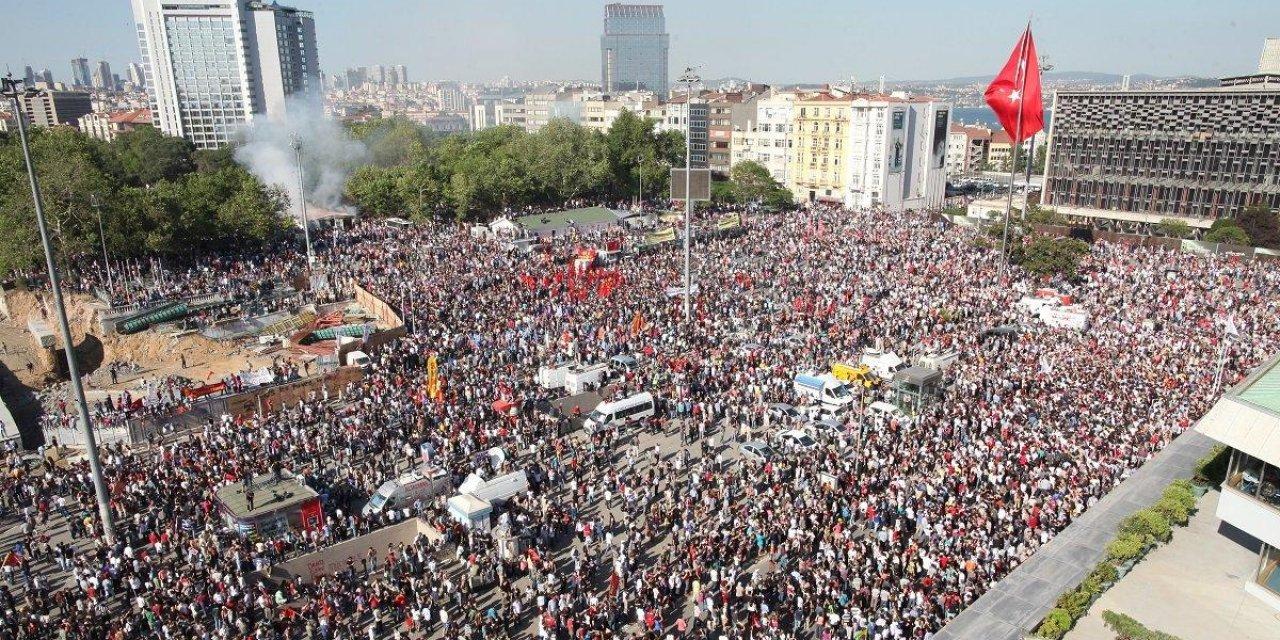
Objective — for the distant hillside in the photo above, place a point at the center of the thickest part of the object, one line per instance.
(1093, 77)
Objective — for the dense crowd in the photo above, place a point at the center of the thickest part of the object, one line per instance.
(888, 530)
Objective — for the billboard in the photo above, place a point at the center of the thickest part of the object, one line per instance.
(941, 120)
(898, 141)
(699, 184)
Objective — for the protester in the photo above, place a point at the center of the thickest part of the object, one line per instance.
(888, 530)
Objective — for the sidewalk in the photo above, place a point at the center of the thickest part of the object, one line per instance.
(1014, 607)
(1192, 587)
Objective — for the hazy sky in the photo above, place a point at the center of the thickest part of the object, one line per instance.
(768, 40)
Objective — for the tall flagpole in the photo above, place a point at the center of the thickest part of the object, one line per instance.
(1017, 142)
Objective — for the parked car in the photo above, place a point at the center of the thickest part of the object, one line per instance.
(756, 450)
(797, 439)
(887, 411)
(783, 413)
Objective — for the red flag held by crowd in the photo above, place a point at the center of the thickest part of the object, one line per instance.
(1014, 95)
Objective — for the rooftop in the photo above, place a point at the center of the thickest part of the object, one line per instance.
(590, 216)
(269, 495)
(1247, 417)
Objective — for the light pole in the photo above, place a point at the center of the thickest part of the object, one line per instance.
(688, 78)
(302, 201)
(97, 206)
(10, 90)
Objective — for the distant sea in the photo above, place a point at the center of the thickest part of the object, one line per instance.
(983, 116)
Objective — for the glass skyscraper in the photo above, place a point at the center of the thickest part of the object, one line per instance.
(633, 49)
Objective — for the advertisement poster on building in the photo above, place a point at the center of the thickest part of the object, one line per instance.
(897, 141)
(941, 121)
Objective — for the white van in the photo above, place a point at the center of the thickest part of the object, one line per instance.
(422, 483)
(497, 490)
(585, 378)
(553, 377)
(822, 388)
(618, 413)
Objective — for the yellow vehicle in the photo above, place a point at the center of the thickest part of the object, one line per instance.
(854, 374)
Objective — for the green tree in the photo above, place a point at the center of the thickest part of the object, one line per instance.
(392, 141)
(1229, 234)
(1046, 255)
(148, 156)
(1261, 224)
(376, 190)
(752, 182)
(1173, 228)
(565, 160)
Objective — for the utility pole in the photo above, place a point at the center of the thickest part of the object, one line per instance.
(10, 90)
(302, 201)
(688, 78)
(97, 206)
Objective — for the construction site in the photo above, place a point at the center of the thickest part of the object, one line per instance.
(154, 366)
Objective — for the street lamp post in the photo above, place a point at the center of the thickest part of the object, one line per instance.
(302, 201)
(10, 90)
(97, 206)
(688, 78)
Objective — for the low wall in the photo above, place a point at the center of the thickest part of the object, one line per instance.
(334, 559)
(270, 399)
(387, 316)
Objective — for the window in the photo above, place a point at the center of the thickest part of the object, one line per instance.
(1255, 478)
(1268, 573)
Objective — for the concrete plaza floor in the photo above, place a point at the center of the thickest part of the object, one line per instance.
(1192, 587)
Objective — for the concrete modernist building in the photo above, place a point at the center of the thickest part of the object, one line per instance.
(1247, 419)
(1143, 156)
(48, 108)
(213, 65)
(600, 112)
(768, 138)
(633, 48)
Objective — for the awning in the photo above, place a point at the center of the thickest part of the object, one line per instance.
(1241, 425)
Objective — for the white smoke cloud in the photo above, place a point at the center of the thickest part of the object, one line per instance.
(329, 154)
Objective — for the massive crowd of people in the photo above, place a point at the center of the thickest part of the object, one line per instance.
(661, 529)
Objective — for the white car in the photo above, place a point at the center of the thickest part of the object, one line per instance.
(887, 411)
(797, 439)
(756, 450)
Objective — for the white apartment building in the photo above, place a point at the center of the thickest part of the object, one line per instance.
(896, 152)
(212, 65)
(768, 138)
(600, 111)
(1247, 419)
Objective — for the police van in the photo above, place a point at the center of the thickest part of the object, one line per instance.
(626, 410)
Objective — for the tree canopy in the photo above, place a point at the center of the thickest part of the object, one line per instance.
(483, 172)
(155, 194)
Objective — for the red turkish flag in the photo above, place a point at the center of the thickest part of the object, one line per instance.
(1014, 97)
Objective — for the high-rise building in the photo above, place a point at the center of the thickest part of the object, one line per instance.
(80, 73)
(402, 74)
(633, 49)
(134, 75)
(48, 108)
(45, 76)
(356, 76)
(28, 76)
(213, 65)
(377, 74)
(102, 76)
(1270, 60)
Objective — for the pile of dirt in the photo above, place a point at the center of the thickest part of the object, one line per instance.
(150, 349)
